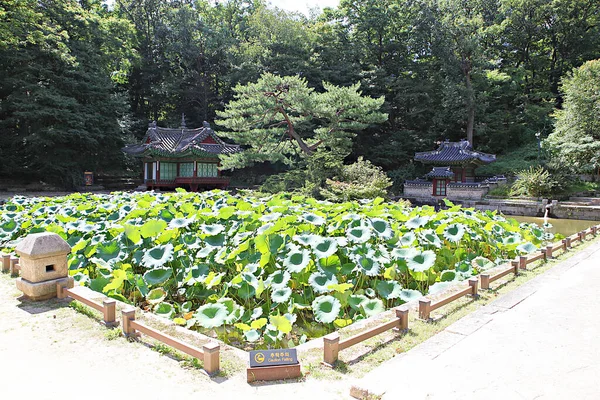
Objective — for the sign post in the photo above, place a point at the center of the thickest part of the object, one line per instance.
(273, 364)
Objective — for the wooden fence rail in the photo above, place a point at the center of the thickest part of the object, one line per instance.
(426, 307)
(209, 354)
(107, 308)
(486, 279)
(332, 344)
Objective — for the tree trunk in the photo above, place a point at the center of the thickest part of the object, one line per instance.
(470, 106)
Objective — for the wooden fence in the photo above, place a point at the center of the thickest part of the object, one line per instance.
(107, 307)
(209, 354)
(332, 344)
(10, 263)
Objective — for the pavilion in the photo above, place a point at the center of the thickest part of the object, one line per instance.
(182, 157)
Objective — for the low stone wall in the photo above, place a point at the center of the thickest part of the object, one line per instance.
(462, 192)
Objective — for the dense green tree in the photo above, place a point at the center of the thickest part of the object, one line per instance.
(575, 143)
(59, 107)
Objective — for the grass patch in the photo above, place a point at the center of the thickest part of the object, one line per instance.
(112, 334)
(85, 310)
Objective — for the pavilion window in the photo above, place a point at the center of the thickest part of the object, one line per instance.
(186, 170)
(168, 171)
(206, 170)
(439, 187)
(149, 171)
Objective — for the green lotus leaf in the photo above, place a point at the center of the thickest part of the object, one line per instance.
(430, 238)
(404, 254)
(526, 248)
(281, 323)
(372, 307)
(215, 240)
(180, 222)
(408, 239)
(186, 306)
(157, 256)
(326, 309)
(453, 233)
(281, 295)
(407, 295)
(382, 227)
(388, 289)
(246, 290)
(157, 276)
(165, 310)
(279, 279)
(109, 251)
(152, 228)
(256, 313)
(212, 230)
(264, 228)
(296, 261)
(355, 301)
(252, 335)
(211, 315)
(370, 292)
(514, 238)
(306, 239)
(313, 219)
(482, 263)
(368, 266)
(191, 240)
(270, 217)
(422, 261)
(9, 226)
(359, 234)
(320, 281)
(235, 314)
(447, 275)
(416, 222)
(324, 247)
(156, 295)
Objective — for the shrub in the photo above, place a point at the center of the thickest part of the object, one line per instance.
(361, 180)
(534, 182)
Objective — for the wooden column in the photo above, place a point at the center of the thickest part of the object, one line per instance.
(474, 283)
(515, 265)
(331, 348)
(485, 281)
(109, 311)
(402, 315)
(5, 262)
(549, 250)
(127, 316)
(157, 170)
(424, 308)
(211, 357)
(523, 262)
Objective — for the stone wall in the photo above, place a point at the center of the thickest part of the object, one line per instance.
(462, 192)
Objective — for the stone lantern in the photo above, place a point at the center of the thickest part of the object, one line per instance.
(43, 262)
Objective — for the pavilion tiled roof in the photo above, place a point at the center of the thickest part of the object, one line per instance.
(440, 172)
(180, 142)
(453, 153)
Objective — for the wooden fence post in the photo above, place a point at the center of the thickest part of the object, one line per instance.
(60, 290)
(109, 311)
(13, 262)
(581, 236)
(544, 252)
(594, 228)
(331, 348)
(474, 283)
(485, 281)
(211, 357)
(5, 262)
(515, 265)
(523, 262)
(424, 308)
(402, 315)
(549, 250)
(568, 242)
(127, 316)
(15, 268)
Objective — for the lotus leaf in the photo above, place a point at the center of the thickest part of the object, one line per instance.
(320, 281)
(296, 261)
(157, 276)
(359, 234)
(422, 261)
(454, 232)
(211, 315)
(372, 307)
(157, 256)
(388, 289)
(326, 309)
(407, 295)
(324, 247)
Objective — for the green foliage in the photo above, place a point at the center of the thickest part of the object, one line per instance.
(575, 143)
(512, 162)
(360, 180)
(534, 182)
(258, 269)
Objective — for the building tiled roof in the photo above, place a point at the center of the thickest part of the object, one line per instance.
(180, 142)
(440, 172)
(453, 153)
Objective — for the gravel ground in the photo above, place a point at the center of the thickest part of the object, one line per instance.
(48, 350)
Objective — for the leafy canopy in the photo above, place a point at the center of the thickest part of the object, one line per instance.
(281, 118)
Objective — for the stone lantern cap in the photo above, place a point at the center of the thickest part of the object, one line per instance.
(42, 245)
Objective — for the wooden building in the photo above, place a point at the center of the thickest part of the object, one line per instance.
(182, 157)
(453, 173)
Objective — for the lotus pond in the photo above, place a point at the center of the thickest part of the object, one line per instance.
(270, 271)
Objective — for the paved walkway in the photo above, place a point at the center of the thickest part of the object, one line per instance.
(541, 341)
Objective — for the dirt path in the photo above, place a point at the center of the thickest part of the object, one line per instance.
(48, 350)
